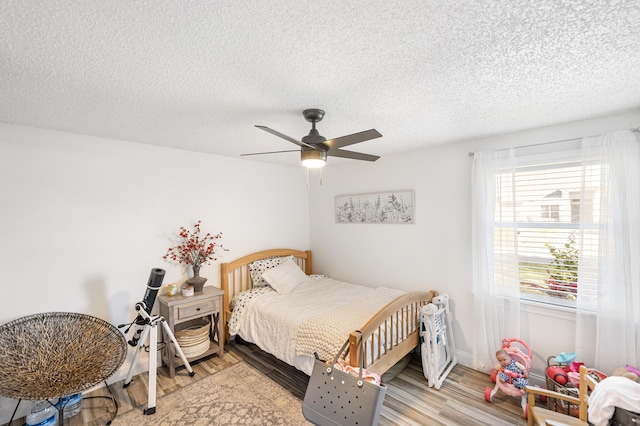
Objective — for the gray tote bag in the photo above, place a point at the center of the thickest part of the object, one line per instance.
(336, 398)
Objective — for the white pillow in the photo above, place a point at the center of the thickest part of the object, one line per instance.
(285, 277)
(256, 268)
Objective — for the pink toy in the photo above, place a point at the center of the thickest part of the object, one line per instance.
(521, 353)
(632, 370)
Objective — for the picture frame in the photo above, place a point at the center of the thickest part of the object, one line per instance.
(389, 207)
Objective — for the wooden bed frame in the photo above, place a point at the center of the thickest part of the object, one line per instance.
(401, 317)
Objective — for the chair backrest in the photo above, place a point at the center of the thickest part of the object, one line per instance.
(587, 384)
(540, 416)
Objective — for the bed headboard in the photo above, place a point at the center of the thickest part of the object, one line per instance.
(235, 277)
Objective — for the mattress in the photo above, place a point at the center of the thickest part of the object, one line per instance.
(272, 320)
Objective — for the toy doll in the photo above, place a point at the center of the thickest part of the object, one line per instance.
(510, 371)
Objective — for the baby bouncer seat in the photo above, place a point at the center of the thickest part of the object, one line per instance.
(520, 351)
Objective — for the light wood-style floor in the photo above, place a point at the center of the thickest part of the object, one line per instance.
(408, 400)
(97, 407)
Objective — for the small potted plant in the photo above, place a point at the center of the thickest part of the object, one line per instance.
(196, 250)
(563, 269)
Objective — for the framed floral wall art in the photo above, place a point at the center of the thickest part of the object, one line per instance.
(376, 207)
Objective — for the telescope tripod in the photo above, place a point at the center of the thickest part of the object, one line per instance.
(151, 328)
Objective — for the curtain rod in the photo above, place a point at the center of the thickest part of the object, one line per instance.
(636, 130)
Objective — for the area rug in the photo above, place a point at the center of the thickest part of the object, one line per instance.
(237, 395)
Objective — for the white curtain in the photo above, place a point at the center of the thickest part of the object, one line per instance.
(608, 291)
(496, 297)
(608, 326)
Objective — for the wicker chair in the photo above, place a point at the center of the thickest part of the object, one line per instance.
(51, 355)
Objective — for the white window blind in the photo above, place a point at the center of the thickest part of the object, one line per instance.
(547, 213)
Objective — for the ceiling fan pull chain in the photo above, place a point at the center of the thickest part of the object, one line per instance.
(320, 177)
(307, 178)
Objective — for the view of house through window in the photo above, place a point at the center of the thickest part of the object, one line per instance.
(549, 214)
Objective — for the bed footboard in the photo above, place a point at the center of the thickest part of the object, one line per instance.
(391, 334)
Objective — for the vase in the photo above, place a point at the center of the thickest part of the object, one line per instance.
(196, 281)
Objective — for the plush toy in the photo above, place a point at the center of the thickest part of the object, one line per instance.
(625, 372)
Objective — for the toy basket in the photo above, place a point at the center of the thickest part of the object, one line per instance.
(571, 387)
(559, 405)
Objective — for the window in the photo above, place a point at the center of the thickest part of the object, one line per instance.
(590, 253)
(551, 212)
(539, 207)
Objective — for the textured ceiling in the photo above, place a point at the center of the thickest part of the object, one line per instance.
(198, 75)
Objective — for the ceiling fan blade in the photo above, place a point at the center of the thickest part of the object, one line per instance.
(351, 139)
(353, 155)
(283, 136)
(271, 152)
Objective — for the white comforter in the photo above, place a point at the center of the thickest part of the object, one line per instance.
(272, 320)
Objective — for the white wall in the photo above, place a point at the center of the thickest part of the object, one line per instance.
(435, 252)
(83, 220)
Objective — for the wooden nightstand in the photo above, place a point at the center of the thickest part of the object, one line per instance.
(178, 309)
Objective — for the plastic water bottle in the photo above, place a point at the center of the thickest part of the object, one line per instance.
(72, 405)
(42, 413)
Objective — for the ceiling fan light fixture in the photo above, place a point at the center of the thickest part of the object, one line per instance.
(313, 159)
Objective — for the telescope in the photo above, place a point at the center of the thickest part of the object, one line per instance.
(146, 325)
(153, 285)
